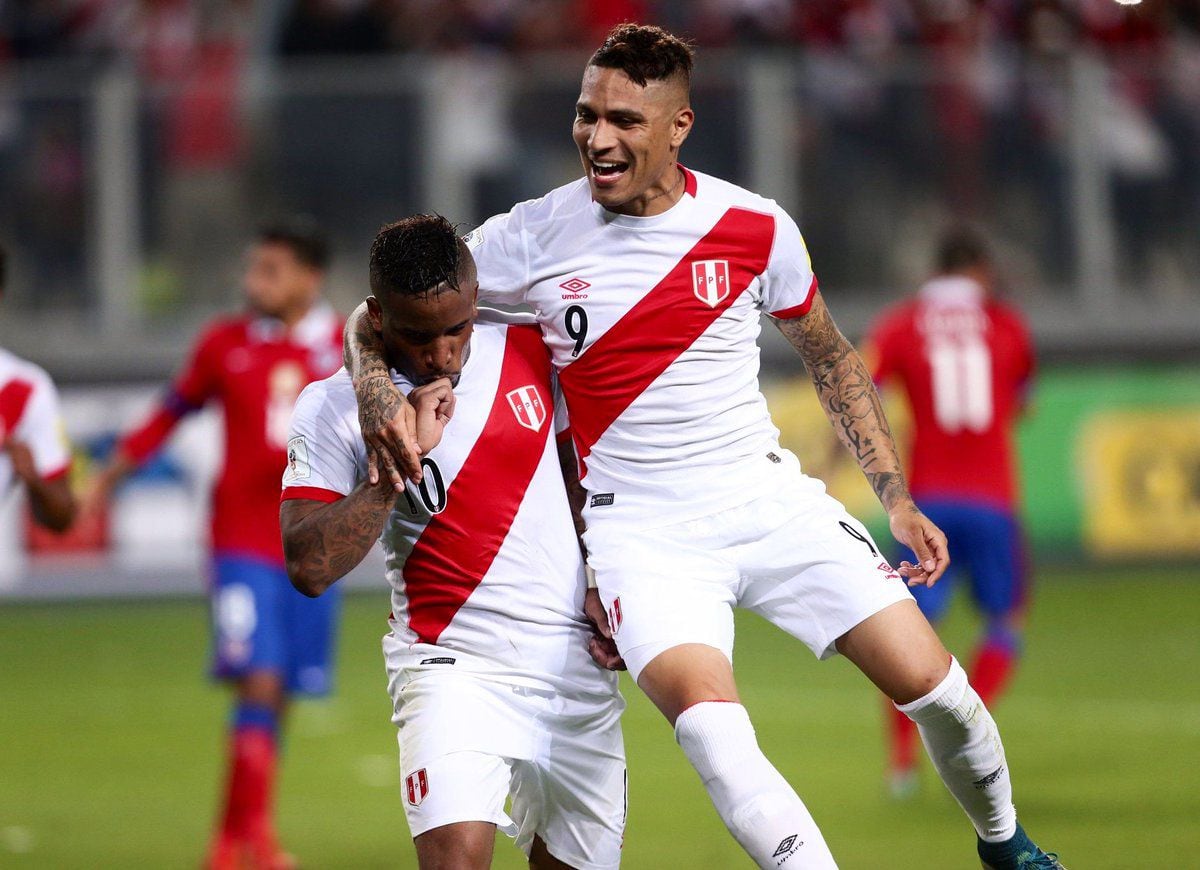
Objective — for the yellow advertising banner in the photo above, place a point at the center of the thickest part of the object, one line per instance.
(1141, 475)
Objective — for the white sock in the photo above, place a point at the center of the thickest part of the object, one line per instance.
(964, 745)
(763, 812)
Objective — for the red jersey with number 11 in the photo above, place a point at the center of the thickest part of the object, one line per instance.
(965, 362)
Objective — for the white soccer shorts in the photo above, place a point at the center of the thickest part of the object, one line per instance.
(468, 742)
(793, 555)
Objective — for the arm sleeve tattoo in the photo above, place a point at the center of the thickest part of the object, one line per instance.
(323, 542)
(849, 399)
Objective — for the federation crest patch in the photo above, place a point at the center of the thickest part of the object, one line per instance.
(416, 787)
(710, 281)
(297, 460)
(527, 406)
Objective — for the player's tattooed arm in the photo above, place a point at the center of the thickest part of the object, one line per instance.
(387, 420)
(323, 542)
(848, 396)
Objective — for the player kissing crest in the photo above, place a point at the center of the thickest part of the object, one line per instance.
(527, 406)
(710, 281)
(417, 787)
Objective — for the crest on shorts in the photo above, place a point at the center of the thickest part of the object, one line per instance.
(527, 406)
(416, 785)
(615, 617)
(710, 281)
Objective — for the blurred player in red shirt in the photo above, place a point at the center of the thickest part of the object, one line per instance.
(268, 639)
(965, 362)
(33, 448)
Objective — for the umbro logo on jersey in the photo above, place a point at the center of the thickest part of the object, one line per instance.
(574, 288)
(888, 572)
(710, 281)
(527, 406)
(439, 660)
(416, 787)
(603, 499)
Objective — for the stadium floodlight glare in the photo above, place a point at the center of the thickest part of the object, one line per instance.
(1129, 2)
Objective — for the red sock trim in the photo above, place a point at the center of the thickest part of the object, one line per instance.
(706, 701)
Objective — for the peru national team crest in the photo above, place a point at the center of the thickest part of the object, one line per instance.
(416, 785)
(527, 406)
(710, 281)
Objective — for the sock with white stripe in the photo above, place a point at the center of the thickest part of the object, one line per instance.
(964, 745)
(763, 812)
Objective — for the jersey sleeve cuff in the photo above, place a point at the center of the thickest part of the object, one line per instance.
(310, 493)
(801, 309)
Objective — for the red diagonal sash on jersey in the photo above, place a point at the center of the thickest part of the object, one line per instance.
(459, 545)
(14, 396)
(615, 370)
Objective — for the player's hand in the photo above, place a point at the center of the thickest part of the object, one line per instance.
(434, 405)
(917, 532)
(389, 429)
(601, 646)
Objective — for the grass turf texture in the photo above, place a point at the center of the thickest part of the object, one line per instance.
(111, 746)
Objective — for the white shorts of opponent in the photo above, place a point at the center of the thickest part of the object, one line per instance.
(792, 555)
(469, 742)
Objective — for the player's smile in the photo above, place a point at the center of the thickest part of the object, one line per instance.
(607, 173)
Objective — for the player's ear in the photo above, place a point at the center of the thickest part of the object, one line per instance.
(681, 125)
(375, 313)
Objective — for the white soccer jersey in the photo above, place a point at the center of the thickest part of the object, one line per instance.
(29, 413)
(482, 556)
(653, 325)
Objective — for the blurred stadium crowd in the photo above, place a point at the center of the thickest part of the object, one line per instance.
(160, 34)
(1068, 129)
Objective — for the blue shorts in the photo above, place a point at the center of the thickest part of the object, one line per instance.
(261, 623)
(987, 545)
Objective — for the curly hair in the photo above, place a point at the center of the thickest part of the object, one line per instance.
(415, 256)
(645, 53)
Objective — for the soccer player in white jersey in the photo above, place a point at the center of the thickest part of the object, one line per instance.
(33, 447)
(648, 281)
(488, 655)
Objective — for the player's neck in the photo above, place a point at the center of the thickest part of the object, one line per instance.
(660, 197)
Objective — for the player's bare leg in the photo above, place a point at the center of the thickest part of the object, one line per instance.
(693, 686)
(686, 675)
(541, 859)
(992, 664)
(902, 655)
(247, 833)
(460, 846)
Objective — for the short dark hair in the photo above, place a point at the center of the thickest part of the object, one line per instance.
(300, 234)
(961, 248)
(415, 255)
(645, 53)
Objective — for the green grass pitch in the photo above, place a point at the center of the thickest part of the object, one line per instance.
(111, 742)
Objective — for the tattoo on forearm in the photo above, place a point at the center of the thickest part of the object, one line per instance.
(327, 543)
(362, 347)
(849, 398)
(378, 402)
